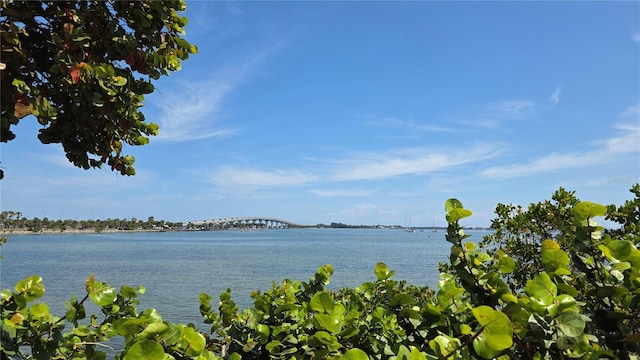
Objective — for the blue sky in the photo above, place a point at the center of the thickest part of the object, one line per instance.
(368, 113)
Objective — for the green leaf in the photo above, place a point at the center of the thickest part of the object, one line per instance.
(81, 38)
(102, 294)
(327, 322)
(568, 289)
(497, 329)
(129, 326)
(141, 140)
(410, 353)
(21, 86)
(119, 81)
(322, 338)
(570, 323)
(566, 303)
(382, 271)
(554, 259)
(109, 70)
(31, 288)
(481, 347)
(75, 310)
(152, 330)
(506, 265)
(443, 345)
(322, 302)
(541, 289)
(129, 160)
(193, 341)
(621, 249)
(172, 336)
(449, 294)
(451, 204)
(6, 294)
(174, 63)
(549, 244)
(621, 266)
(40, 310)
(456, 214)
(264, 331)
(402, 299)
(354, 354)
(587, 210)
(146, 350)
(153, 128)
(272, 345)
(101, 71)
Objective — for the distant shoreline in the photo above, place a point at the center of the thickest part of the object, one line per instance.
(3, 232)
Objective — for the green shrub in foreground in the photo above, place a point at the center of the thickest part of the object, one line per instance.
(549, 283)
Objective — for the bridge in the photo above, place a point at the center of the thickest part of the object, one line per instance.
(244, 223)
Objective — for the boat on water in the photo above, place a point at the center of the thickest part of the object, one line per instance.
(409, 228)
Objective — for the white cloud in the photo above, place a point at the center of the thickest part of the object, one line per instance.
(407, 162)
(511, 108)
(188, 113)
(629, 142)
(360, 212)
(57, 158)
(410, 125)
(342, 192)
(370, 166)
(479, 123)
(190, 110)
(607, 151)
(554, 98)
(635, 36)
(228, 177)
(631, 112)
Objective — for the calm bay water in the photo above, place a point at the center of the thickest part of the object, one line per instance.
(175, 267)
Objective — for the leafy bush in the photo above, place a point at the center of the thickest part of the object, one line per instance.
(549, 283)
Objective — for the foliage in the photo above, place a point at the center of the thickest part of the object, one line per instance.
(580, 298)
(581, 257)
(82, 68)
(12, 221)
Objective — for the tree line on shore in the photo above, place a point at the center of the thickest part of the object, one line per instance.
(15, 221)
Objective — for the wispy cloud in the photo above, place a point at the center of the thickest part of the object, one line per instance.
(606, 151)
(249, 179)
(360, 166)
(55, 158)
(414, 126)
(479, 123)
(191, 110)
(362, 211)
(632, 112)
(342, 192)
(554, 98)
(511, 108)
(407, 162)
(635, 36)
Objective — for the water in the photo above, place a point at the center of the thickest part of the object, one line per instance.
(175, 267)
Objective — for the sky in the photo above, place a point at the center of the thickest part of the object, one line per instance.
(367, 113)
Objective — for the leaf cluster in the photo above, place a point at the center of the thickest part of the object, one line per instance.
(82, 68)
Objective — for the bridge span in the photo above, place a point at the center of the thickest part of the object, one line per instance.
(244, 222)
